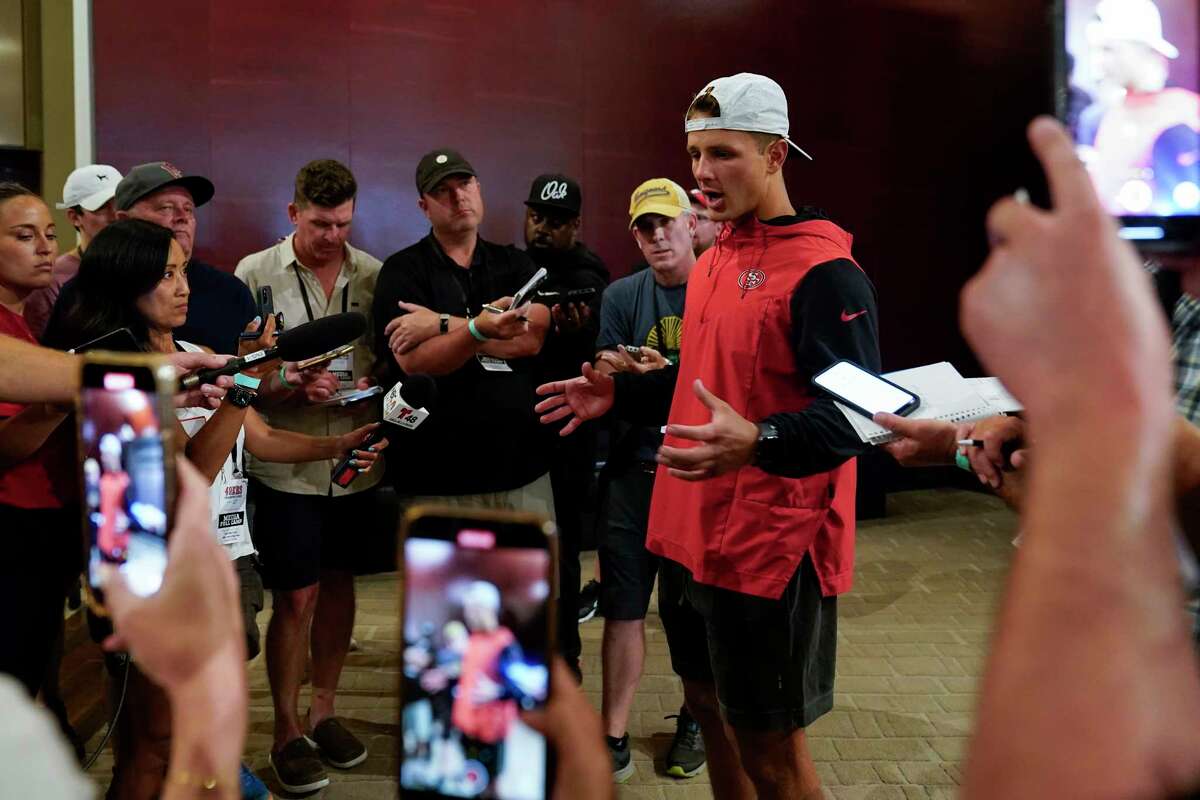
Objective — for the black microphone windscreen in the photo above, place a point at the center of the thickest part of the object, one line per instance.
(418, 391)
(320, 336)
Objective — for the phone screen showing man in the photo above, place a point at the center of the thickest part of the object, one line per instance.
(1131, 102)
(124, 480)
(475, 656)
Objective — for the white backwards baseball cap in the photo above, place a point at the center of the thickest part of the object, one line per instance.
(90, 187)
(749, 102)
(1130, 21)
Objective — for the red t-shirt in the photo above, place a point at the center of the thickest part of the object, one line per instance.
(47, 478)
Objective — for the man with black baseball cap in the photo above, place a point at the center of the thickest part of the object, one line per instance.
(220, 305)
(552, 222)
(482, 446)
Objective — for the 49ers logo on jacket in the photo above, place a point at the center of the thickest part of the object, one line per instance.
(751, 279)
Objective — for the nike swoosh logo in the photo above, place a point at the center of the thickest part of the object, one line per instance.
(847, 317)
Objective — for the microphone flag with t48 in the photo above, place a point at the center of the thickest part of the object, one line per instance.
(405, 406)
(295, 344)
(406, 403)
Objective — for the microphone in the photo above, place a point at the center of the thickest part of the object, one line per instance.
(407, 409)
(405, 403)
(295, 344)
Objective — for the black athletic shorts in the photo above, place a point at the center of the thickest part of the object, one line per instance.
(299, 535)
(627, 568)
(772, 661)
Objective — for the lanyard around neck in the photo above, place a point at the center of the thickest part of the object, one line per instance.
(304, 295)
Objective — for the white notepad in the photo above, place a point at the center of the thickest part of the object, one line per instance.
(945, 395)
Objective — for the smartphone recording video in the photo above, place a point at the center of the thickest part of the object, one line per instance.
(1130, 100)
(476, 623)
(127, 469)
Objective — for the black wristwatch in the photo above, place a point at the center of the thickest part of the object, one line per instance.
(444, 323)
(240, 396)
(769, 448)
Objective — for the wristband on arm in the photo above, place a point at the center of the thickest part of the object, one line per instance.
(479, 337)
(283, 376)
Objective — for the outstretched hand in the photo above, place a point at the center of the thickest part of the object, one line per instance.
(587, 397)
(727, 441)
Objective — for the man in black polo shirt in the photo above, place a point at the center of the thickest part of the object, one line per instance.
(482, 446)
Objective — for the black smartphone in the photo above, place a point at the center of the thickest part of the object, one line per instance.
(126, 428)
(477, 621)
(864, 391)
(584, 295)
(119, 341)
(266, 307)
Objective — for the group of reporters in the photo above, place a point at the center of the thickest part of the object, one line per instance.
(134, 268)
(1094, 592)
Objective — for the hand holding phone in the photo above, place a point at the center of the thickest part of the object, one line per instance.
(126, 430)
(477, 620)
(525, 291)
(259, 336)
(266, 308)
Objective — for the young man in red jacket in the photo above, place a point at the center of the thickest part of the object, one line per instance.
(760, 514)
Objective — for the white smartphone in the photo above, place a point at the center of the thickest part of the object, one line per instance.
(523, 293)
(349, 398)
(864, 391)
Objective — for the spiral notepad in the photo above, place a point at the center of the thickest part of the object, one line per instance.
(945, 395)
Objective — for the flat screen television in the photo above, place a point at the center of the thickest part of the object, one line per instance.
(1126, 86)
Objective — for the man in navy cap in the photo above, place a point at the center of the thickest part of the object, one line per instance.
(220, 305)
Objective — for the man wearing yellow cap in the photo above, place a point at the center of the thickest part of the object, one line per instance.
(640, 322)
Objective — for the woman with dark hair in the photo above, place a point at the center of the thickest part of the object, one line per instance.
(134, 276)
(96, 301)
(38, 503)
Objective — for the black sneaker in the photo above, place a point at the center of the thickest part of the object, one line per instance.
(589, 600)
(686, 756)
(622, 758)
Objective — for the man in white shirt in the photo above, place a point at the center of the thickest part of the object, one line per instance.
(311, 535)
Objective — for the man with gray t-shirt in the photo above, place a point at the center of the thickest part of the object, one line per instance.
(641, 317)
